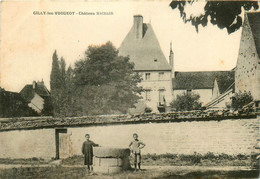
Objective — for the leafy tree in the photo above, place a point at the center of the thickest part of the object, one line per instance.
(47, 107)
(224, 14)
(186, 102)
(100, 83)
(241, 99)
(105, 82)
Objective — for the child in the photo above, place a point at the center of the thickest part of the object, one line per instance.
(87, 150)
(135, 147)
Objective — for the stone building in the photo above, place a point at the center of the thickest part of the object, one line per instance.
(37, 96)
(210, 85)
(247, 76)
(161, 82)
(143, 48)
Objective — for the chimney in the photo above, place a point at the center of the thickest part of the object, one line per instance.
(171, 60)
(34, 84)
(138, 26)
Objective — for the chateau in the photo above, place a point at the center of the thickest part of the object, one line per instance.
(161, 82)
(143, 48)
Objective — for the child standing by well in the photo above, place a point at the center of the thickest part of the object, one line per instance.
(135, 147)
(87, 150)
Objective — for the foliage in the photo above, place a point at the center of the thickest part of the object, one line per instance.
(224, 14)
(186, 102)
(241, 99)
(148, 110)
(47, 107)
(105, 82)
(55, 83)
(59, 85)
(12, 105)
(100, 83)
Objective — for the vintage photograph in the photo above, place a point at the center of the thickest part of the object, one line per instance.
(129, 89)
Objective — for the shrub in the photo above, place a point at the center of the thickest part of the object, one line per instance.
(148, 110)
(209, 155)
(186, 102)
(241, 99)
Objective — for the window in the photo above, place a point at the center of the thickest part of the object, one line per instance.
(147, 76)
(148, 95)
(161, 97)
(189, 91)
(161, 75)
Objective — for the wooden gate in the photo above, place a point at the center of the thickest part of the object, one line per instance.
(62, 143)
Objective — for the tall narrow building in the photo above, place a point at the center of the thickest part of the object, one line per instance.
(247, 76)
(143, 48)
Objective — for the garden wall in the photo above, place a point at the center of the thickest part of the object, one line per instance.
(226, 136)
(28, 144)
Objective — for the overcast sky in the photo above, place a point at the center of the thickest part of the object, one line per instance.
(28, 41)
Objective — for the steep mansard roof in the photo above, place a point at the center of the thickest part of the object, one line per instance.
(254, 21)
(203, 80)
(146, 53)
(28, 92)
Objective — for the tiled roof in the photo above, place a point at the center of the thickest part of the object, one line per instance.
(28, 92)
(254, 21)
(146, 53)
(203, 80)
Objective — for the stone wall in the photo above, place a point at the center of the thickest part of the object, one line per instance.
(28, 144)
(229, 136)
(247, 74)
(226, 136)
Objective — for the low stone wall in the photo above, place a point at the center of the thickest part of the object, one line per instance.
(236, 136)
(227, 136)
(28, 144)
(7, 124)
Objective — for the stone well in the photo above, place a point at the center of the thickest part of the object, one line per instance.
(110, 160)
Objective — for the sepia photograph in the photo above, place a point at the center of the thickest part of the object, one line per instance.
(106, 89)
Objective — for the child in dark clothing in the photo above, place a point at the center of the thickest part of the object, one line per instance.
(135, 147)
(87, 150)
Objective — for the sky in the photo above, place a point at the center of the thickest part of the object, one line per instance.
(28, 41)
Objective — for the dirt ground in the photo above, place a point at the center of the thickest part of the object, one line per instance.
(153, 172)
(164, 166)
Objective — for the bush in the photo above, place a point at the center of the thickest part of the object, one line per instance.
(241, 99)
(148, 110)
(186, 102)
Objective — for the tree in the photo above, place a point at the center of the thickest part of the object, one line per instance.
(58, 84)
(186, 102)
(241, 99)
(224, 14)
(55, 72)
(105, 82)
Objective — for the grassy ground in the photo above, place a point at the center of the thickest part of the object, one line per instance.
(165, 166)
(79, 172)
(29, 161)
(208, 159)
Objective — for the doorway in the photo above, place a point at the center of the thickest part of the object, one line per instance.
(62, 143)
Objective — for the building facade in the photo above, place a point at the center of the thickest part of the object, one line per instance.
(210, 85)
(143, 49)
(161, 82)
(247, 77)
